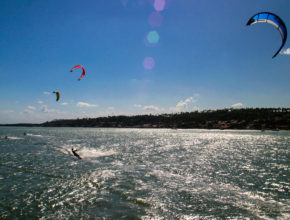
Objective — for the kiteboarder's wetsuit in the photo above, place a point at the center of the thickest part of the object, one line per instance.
(74, 152)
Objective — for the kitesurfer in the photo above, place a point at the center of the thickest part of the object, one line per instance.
(74, 152)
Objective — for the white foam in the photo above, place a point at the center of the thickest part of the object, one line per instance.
(84, 152)
(13, 138)
(94, 153)
(35, 135)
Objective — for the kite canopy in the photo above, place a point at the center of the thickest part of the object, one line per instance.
(274, 20)
(79, 66)
(57, 95)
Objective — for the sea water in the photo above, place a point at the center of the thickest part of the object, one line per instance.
(143, 174)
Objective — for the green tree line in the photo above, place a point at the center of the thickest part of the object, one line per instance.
(246, 118)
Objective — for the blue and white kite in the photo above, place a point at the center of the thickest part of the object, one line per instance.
(273, 19)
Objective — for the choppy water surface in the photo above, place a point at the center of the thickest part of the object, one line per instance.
(143, 174)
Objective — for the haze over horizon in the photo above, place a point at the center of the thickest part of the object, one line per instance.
(140, 56)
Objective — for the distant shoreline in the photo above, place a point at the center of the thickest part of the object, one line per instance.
(242, 119)
(213, 129)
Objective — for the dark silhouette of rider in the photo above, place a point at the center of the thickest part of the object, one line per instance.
(74, 152)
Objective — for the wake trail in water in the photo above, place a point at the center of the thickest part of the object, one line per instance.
(62, 150)
(12, 138)
(35, 135)
(84, 153)
(94, 153)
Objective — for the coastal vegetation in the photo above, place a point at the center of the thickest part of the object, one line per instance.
(246, 118)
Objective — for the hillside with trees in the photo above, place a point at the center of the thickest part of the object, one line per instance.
(248, 118)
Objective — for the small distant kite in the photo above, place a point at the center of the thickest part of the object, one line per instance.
(57, 95)
(79, 66)
(274, 20)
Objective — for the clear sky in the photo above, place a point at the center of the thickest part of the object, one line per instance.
(140, 56)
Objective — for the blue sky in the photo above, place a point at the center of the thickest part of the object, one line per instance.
(141, 57)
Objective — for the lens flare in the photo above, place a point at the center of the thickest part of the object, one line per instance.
(124, 2)
(153, 37)
(155, 19)
(159, 5)
(148, 63)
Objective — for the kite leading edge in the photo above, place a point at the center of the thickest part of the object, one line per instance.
(274, 20)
